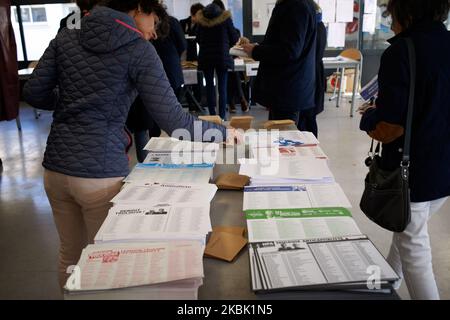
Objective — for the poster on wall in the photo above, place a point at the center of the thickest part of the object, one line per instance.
(344, 11)
(262, 11)
(328, 10)
(336, 35)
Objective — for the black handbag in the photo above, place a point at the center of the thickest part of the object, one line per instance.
(386, 197)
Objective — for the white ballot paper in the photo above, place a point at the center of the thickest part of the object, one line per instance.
(295, 197)
(189, 173)
(165, 193)
(321, 264)
(276, 138)
(110, 266)
(287, 171)
(175, 145)
(131, 223)
(288, 152)
(184, 158)
(303, 224)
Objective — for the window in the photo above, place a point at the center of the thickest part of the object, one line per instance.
(378, 27)
(25, 13)
(39, 14)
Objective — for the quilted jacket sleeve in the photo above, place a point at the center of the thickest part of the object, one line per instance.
(41, 91)
(147, 72)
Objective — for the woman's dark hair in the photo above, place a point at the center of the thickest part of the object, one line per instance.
(86, 5)
(196, 8)
(146, 6)
(219, 3)
(409, 12)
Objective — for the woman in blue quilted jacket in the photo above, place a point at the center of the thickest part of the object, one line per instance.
(89, 77)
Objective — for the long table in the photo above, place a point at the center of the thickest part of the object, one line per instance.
(225, 280)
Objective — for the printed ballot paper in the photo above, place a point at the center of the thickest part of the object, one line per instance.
(155, 223)
(175, 145)
(317, 264)
(191, 173)
(275, 138)
(172, 158)
(295, 197)
(110, 266)
(165, 193)
(287, 171)
(303, 224)
(287, 152)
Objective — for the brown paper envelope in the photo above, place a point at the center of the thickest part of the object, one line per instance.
(224, 246)
(213, 119)
(232, 181)
(239, 231)
(278, 124)
(244, 122)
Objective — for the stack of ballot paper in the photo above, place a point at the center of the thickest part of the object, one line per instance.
(275, 153)
(165, 193)
(295, 197)
(276, 138)
(286, 171)
(186, 158)
(126, 223)
(175, 145)
(177, 267)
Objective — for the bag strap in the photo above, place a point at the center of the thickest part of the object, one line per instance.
(412, 90)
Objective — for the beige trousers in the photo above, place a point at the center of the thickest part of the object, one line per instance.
(79, 208)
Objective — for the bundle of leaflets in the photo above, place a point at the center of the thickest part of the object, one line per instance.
(165, 193)
(275, 153)
(286, 171)
(113, 266)
(323, 264)
(169, 173)
(155, 223)
(295, 197)
(276, 138)
(175, 145)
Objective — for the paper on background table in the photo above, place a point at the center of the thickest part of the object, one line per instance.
(165, 193)
(328, 10)
(238, 52)
(130, 222)
(344, 11)
(299, 224)
(294, 197)
(109, 266)
(146, 174)
(336, 35)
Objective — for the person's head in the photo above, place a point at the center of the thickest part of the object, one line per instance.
(194, 9)
(86, 5)
(406, 13)
(220, 4)
(147, 14)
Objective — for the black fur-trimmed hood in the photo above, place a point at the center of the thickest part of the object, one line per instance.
(212, 16)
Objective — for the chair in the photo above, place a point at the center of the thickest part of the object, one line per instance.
(353, 54)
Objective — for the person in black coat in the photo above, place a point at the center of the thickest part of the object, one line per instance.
(190, 26)
(307, 120)
(169, 45)
(286, 77)
(429, 172)
(216, 35)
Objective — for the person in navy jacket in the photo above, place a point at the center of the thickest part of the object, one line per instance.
(422, 21)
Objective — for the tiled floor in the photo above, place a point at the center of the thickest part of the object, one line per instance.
(28, 238)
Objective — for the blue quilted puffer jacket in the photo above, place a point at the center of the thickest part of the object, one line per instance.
(90, 77)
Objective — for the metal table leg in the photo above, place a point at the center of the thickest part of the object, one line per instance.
(19, 124)
(355, 84)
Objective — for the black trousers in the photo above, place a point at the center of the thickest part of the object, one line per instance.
(276, 114)
(308, 121)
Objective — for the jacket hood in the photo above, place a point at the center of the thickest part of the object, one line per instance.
(212, 16)
(105, 30)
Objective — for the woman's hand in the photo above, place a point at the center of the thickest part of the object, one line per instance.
(248, 48)
(365, 107)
